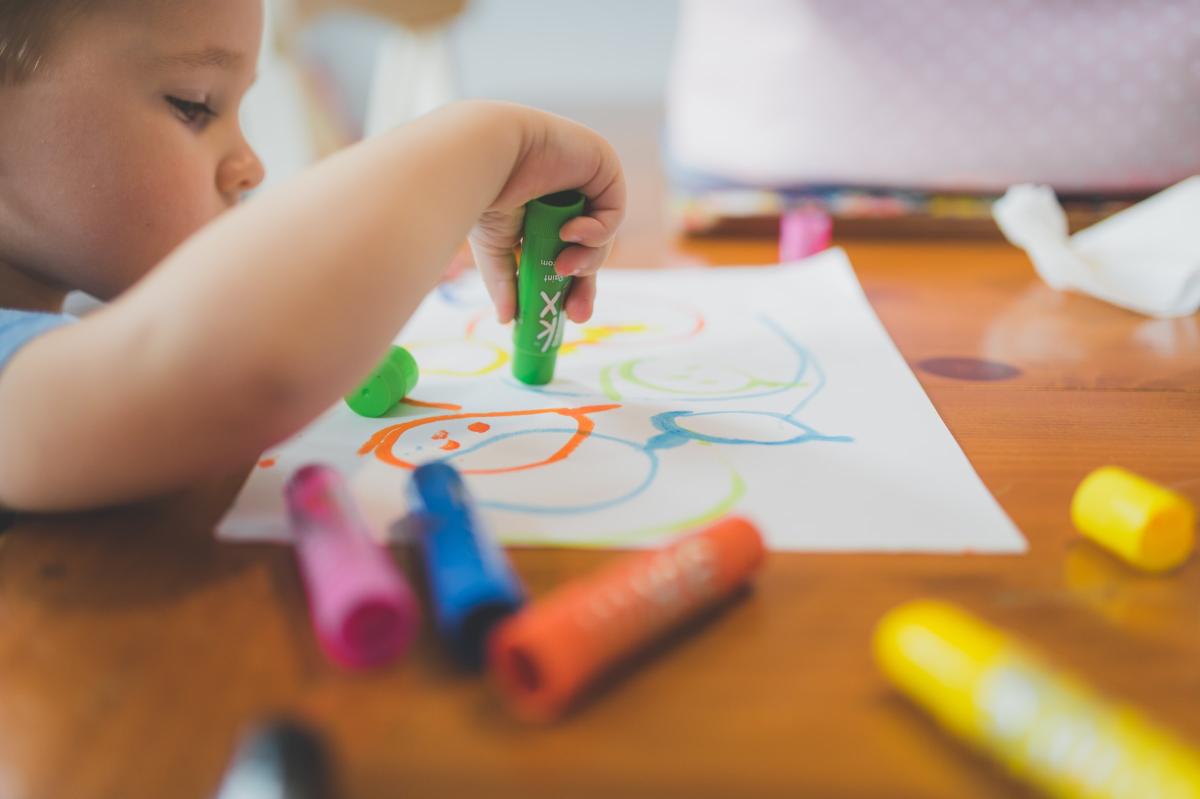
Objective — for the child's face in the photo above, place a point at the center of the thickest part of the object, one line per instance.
(109, 156)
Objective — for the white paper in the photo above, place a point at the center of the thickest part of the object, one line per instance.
(772, 392)
(1145, 258)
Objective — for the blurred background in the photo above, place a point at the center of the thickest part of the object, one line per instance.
(892, 118)
(335, 71)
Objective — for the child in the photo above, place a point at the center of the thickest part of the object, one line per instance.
(119, 139)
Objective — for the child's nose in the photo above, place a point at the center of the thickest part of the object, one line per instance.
(240, 172)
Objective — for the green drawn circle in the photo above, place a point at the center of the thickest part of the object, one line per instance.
(626, 370)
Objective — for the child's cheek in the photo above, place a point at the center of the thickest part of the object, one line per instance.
(164, 197)
(177, 198)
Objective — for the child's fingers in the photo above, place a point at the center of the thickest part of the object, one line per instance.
(605, 207)
(593, 233)
(580, 261)
(498, 268)
(492, 241)
(581, 299)
(586, 230)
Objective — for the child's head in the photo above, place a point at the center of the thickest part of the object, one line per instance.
(119, 132)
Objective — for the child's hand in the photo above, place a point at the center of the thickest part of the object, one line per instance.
(556, 154)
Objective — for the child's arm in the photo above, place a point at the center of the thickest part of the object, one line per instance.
(259, 322)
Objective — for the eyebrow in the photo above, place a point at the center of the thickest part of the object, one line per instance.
(217, 57)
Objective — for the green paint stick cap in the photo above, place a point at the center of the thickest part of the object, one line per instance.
(390, 383)
(534, 368)
(546, 215)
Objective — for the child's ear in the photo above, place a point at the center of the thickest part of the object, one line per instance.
(408, 13)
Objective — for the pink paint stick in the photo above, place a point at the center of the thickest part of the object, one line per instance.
(362, 608)
(803, 232)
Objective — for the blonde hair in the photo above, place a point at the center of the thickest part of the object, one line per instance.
(27, 31)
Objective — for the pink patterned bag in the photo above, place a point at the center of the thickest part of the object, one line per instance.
(943, 95)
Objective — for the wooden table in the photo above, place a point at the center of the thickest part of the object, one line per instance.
(134, 648)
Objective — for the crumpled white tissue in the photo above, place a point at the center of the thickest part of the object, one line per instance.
(1145, 258)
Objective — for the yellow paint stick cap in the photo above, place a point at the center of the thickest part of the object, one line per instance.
(1147, 525)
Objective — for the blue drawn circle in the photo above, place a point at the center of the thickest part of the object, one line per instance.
(674, 435)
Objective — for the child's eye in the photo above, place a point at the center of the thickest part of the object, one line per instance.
(190, 111)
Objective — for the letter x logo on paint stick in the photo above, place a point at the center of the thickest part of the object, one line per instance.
(551, 326)
(549, 304)
(549, 331)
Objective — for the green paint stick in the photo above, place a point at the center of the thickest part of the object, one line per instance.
(541, 292)
(385, 387)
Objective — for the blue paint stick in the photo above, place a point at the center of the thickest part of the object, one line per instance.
(471, 584)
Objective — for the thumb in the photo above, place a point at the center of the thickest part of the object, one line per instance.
(493, 240)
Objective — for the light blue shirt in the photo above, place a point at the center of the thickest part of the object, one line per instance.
(18, 328)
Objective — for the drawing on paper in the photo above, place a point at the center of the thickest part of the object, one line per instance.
(683, 400)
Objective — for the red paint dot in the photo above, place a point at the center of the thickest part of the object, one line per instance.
(439, 435)
(450, 446)
(969, 369)
(266, 463)
(479, 427)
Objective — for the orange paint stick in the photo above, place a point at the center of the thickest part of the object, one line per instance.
(544, 657)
